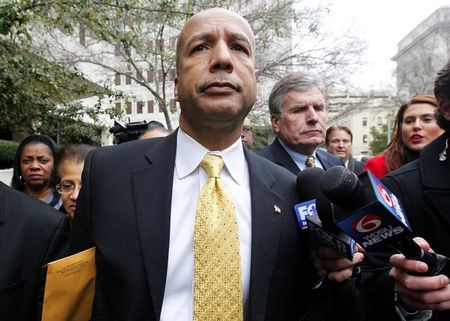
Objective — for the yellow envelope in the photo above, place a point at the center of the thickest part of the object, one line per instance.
(70, 288)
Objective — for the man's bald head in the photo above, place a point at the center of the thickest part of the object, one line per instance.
(202, 16)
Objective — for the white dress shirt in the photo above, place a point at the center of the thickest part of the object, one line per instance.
(188, 180)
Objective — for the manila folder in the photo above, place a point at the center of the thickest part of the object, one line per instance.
(70, 288)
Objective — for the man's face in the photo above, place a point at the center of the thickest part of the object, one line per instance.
(340, 144)
(301, 124)
(216, 81)
(247, 134)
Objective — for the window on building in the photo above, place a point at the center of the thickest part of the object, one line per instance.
(364, 121)
(118, 105)
(172, 42)
(379, 121)
(139, 75)
(173, 105)
(160, 109)
(160, 44)
(150, 108)
(139, 107)
(82, 30)
(160, 75)
(117, 80)
(150, 76)
(365, 139)
(128, 79)
(171, 74)
(128, 107)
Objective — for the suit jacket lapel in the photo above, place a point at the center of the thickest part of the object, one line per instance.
(327, 160)
(266, 228)
(2, 202)
(152, 190)
(3, 241)
(281, 157)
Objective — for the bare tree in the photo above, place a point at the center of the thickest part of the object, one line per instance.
(135, 40)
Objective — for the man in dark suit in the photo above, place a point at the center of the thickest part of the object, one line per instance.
(338, 141)
(298, 112)
(31, 235)
(138, 201)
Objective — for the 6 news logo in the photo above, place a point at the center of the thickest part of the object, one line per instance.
(367, 223)
(381, 220)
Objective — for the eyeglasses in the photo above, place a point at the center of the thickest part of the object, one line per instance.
(246, 129)
(66, 187)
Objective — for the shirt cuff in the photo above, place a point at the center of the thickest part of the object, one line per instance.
(405, 315)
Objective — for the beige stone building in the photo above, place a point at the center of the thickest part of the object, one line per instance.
(423, 51)
(360, 112)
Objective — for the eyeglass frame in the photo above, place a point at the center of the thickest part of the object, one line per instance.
(72, 188)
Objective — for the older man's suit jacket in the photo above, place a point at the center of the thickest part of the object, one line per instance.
(278, 154)
(31, 235)
(124, 210)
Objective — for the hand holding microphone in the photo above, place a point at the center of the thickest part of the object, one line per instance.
(334, 254)
(415, 291)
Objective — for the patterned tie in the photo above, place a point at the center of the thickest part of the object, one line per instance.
(217, 267)
(310, 161)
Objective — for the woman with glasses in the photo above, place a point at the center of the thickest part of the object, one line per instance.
(34, 169)
(70, 166)
(415, 126)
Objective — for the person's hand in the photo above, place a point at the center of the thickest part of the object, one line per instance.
(417, 291)
(331, 264)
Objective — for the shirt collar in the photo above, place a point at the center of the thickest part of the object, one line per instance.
(189, 154)
(298, 158)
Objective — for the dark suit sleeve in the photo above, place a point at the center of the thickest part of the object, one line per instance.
(58, 248)
(80, 238)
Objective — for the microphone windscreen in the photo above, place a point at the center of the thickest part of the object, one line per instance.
(308, 183)
(343, 188)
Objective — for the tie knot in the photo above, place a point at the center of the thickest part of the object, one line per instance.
(212, 164)
(310, 161)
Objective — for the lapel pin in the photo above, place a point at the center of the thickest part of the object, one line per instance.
(277, 209)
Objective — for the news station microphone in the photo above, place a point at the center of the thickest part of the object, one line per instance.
(308, 187)
(369, 213)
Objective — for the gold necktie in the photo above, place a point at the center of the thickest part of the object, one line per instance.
(217, 262)
(310, 161)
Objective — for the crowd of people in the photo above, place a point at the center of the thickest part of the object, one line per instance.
(142, 204)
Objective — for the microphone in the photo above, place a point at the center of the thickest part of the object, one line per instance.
(308, 187)
(372, 215)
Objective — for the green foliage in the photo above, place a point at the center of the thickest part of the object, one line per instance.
(260, 137)
(135, 36)
(379, 139)
(7, 152)
(33, 90)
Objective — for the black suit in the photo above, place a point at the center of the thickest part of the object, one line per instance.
(355, 166)
(423, 188)
(278, 154)
(124, 209)
(31, 235)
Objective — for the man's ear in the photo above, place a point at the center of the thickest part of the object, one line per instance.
(175, 90)
(444, 108)
(274, 119)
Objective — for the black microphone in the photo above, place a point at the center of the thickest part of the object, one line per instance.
(308, 187)
(369, 213)
(308, 183)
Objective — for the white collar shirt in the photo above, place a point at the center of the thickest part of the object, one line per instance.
(188, 180)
